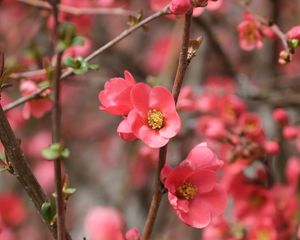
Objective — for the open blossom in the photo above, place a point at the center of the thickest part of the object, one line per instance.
(36, 107)
(153, 119)
(115, 98)
(192, 188)
(250, 34)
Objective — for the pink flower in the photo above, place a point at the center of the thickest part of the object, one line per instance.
(250, 35)
(294, 33)
(132, 234)
(12, 210)
(180, 6)
(192, 188)
(271, 147)
(154, 119)
(36, 107)
(103, 223)
(290, 132)
(280, 116)
(115, 98)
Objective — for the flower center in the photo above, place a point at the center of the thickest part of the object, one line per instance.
(155, 119)
(187, 191)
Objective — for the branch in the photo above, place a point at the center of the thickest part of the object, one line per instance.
(79, 11)
(181, 69)
(94, 54)
(56, 127)
(21, 169)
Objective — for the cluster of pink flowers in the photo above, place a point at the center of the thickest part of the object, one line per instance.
(262, 208)
(149, 112)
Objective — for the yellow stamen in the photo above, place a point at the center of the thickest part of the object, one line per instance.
(155, 119)
(187, 191)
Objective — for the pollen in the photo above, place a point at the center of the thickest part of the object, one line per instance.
(187, 191)
(155, 119)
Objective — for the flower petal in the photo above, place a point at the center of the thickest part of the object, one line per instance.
(140, 97)
(198, 216)
(161, 99)
(172, 125)
(204, 180)
(152, 137)
(216, 199)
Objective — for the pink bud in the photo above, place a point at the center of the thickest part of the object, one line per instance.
(294, 33)
(132, 234)
(280, 116)
(180, 6)
(271, 147)
(290, 132)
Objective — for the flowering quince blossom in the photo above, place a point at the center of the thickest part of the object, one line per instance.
(250, 34)
(183, 6)
(154, 118)
(192, 188)
(115, 98)
(294, 33)
(35, 107)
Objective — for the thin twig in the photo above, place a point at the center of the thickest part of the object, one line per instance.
(94, 54)
(80, 11)
(56, 127)
(181, 69)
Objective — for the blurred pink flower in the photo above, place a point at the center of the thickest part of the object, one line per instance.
(104, 223)
(294, 33)
(36, 107)
(115, 98)
(280, 116)
(192, 188)
(132, 234)
(12, 211)
(180, 6)
(249, 32)
(154, 119)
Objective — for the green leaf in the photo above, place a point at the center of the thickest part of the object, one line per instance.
(78, 40)
(71, 62)
(94, 66)
(47, 211)
(50, 154)
(84, 67)
(69, 191)
(65, 153)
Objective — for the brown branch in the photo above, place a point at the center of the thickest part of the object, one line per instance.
(79, 11)
(56, 127)
(21, 169)
(94, 54)
(181, 69)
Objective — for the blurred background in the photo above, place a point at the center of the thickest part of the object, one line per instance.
(109, 172)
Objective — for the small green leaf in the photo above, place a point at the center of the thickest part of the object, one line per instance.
(71, 62)
(94, 66)
(84, 67)
(50, 154)
(56, 147)
(47, 211)
(78, 40)
(65, 153)
(69, 191)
